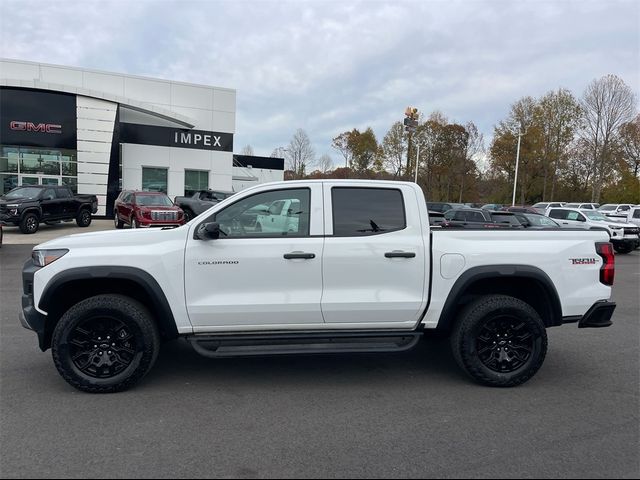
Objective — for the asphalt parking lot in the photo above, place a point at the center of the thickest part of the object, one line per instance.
(406, 415)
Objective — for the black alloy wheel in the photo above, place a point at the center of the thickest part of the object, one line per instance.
(505, 344)
(84, 218)
(105, 344)
(103, 347)
(29, 224)
(499, 340)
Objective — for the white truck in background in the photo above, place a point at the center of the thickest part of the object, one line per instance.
(359, 270)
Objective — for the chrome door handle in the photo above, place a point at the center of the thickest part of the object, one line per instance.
(294, 255)
(399, 254)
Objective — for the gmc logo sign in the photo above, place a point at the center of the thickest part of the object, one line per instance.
(36, 127)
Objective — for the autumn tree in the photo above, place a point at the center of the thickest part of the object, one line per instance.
(394, 148)
(557, 115)
(363, 148)
(299, 155)
(325, 164)
(607, 104)
(247, 150)
(630, 144)
(341, 144)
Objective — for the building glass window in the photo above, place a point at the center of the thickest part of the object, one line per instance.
(72, 183)
(37, 166)
(7, 183)
(195, 180)
(154, 179)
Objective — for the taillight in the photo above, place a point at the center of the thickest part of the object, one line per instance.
(608, 268)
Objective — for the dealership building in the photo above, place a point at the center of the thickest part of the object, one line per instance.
(101, 133)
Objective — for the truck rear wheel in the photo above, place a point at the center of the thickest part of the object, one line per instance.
(105, 344)
(84, 218)
(500, 341)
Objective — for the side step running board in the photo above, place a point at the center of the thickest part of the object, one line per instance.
(255, 344)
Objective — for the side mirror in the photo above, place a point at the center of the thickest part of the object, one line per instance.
(208, 231)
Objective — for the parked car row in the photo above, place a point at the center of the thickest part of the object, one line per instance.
(624, 233)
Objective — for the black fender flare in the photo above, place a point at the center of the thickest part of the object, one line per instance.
(164, 318)
(484, 273)
(35, 209)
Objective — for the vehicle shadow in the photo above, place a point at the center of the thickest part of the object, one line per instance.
(431, 358)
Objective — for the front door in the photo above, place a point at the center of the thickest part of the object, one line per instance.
(251, 277)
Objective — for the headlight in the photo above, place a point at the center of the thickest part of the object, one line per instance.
(42, 258)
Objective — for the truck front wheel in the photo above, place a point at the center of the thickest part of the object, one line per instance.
(105, 344)
(29, 223)
(500, 341)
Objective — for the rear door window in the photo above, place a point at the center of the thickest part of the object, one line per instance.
(361, 212)
(475, 217)
(558, 214)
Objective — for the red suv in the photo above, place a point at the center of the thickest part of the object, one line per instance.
(146, 209)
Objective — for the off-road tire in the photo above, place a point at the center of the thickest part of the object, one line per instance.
(145, 342)
(29, 223)
(84, 218)
(474, 321)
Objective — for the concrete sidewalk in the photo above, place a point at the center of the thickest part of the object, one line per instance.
(13, 235)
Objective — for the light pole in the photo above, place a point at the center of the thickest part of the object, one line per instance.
(515, 180)
(415, 180)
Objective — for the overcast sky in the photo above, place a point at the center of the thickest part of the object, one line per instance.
(331, 66)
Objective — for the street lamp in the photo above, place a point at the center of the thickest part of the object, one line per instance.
(515, 180)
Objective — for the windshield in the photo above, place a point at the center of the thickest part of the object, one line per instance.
(595, 216)
(541, 205)
(607, 208)
(153, 201)
(26, 192)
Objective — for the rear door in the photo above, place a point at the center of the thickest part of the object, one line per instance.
(374, 263)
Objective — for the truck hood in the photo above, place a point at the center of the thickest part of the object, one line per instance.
(115, 238)
(11, 201)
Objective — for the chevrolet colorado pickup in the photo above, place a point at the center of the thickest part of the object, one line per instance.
(27, 206)
(360, 270)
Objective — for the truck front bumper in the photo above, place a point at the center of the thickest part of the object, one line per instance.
(30, 318)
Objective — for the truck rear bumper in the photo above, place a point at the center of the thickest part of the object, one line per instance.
(598, 316)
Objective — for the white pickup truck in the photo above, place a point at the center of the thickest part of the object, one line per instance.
(361, 272)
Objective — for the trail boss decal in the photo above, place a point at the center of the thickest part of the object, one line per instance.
(583, 261)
